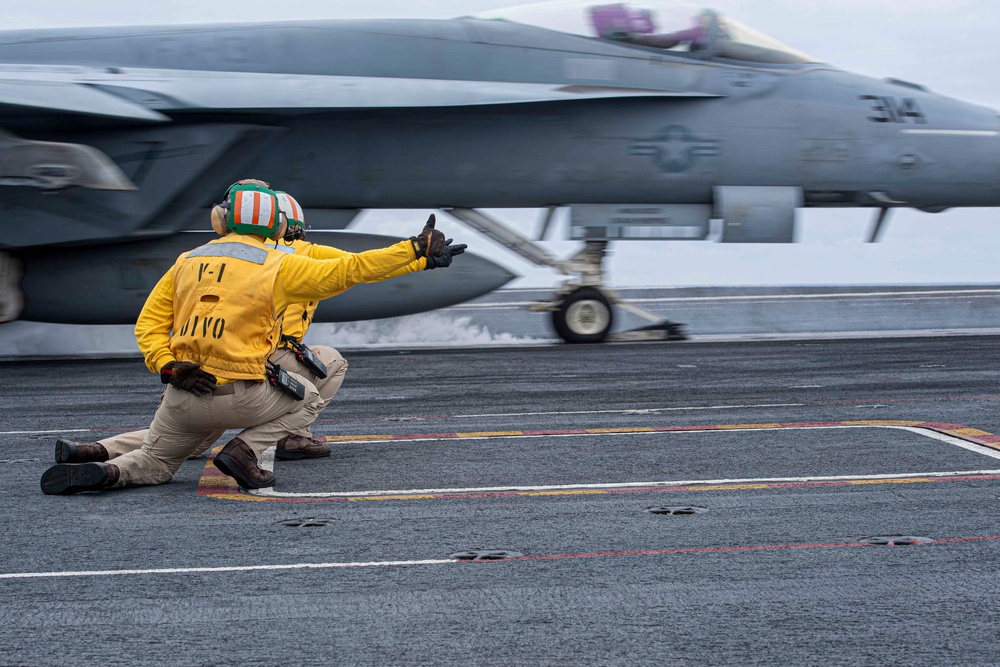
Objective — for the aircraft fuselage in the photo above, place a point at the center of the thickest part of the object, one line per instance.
(838, 136)
(462, 114)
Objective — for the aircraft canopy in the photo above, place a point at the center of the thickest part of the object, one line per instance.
(662, 24)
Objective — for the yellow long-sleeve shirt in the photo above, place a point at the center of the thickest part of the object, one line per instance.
(299, 279)
(298, 317)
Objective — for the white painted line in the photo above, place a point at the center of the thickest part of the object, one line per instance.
(754, 297)
(631, 411)
(958, 442)
(979, 449)
(954, 133)
(65, 430)
(628, 485)
(235, 568)
(882, 334)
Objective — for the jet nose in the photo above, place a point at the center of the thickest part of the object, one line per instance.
(468, 277)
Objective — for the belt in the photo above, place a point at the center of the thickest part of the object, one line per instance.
(225, 390)
(228, 389)
(288, 343)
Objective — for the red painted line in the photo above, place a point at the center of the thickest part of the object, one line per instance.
(953, 430)
(577, 431)
(737, 549)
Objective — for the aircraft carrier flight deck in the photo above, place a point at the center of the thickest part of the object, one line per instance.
(767, 502)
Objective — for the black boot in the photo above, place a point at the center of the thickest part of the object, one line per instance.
(68, 451)
(239, 462)
(66, 478)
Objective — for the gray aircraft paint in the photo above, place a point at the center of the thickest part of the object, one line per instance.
(381, 114)
(131, 270)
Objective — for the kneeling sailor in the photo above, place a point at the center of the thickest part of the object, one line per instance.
(208, 329)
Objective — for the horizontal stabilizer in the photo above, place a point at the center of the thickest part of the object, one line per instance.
(68, 96)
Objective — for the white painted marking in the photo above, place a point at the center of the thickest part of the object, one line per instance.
(630, 485)
(979, 449)
(954, 133)
(631, 411)
(755, 297)
(235, 568)
(64, 430)
(839, 335)
(958, 442)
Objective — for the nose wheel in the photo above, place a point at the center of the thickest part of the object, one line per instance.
(582, 307)
(584, 316)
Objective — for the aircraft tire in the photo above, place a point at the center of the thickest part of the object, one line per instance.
(584, 316)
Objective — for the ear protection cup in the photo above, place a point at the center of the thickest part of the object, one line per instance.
(219, 215)
(282, 226)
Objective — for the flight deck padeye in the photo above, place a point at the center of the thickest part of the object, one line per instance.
(621, 222)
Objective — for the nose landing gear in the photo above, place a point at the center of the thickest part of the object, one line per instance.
(582, 308)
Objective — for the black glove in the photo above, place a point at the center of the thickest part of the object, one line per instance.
(445, 259)
(430, 242)
(188, 376)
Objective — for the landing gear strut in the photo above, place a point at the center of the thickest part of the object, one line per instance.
(582, 307)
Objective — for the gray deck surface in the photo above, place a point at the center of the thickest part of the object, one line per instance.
(771, 574)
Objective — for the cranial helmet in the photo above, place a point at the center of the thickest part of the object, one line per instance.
(294, 214)
(250, 207)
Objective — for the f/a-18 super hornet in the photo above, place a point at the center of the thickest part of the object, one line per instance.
(655, 122)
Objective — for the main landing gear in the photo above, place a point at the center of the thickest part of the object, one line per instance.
(582, 308)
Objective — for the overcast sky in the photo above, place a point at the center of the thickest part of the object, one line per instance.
(947, 45)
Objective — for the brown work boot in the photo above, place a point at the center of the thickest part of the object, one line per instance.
(239, 462)
(65, 478)
(68, 451)
(295, 447)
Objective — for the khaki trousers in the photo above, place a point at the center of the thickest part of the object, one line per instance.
(183, 421)
(327, 388)
(336, 369)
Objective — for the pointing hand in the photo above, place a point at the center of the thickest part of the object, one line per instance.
(444, 259)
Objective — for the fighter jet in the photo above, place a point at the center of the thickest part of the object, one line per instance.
(659, 121)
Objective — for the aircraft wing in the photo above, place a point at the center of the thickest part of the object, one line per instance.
(72, 97)
(187, 91)
(147, 95)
